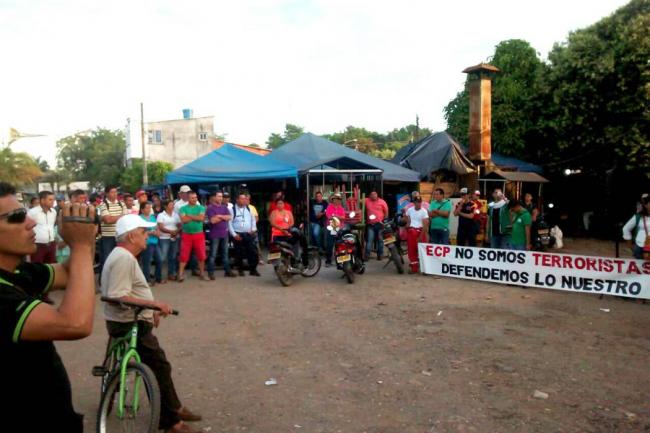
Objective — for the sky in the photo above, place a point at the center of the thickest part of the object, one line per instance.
(73, 65)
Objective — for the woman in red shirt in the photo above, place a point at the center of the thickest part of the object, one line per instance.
(281, 221)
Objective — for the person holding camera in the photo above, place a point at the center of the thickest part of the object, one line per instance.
(35, 381)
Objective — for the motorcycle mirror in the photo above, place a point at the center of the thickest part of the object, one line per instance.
(352, 214)
(372, 217)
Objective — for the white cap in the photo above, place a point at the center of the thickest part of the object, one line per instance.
(463, 190)
(131, 222)
(185, 188)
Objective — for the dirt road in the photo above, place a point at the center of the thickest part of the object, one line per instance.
(394, 354)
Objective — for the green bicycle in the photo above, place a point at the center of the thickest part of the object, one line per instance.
(130, 397)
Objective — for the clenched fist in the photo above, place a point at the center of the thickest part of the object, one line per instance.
(77, 224)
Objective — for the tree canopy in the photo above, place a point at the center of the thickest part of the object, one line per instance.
(381, 145)
(586, 108)
(97, 157)
(598, 87)
(18, 168)
(291, 132)
(131, 178)
(514, 100)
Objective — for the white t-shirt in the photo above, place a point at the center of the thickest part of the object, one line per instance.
(417, 217)
(641, 233)
(168, 222)
(179, 204)
(122, 276)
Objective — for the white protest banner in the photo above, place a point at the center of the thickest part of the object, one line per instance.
(574, 273)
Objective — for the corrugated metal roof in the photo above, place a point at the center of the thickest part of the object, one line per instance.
(516, 176)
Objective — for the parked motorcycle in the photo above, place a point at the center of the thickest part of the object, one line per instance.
(394, 245)
(347, 250)
(542, 237)
(294, 257)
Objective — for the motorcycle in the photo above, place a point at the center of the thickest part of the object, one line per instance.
(294, 257)
(392, 242)
(347, 250)
(542, 238)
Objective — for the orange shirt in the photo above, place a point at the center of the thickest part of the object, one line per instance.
(378, 208)
(283, 220)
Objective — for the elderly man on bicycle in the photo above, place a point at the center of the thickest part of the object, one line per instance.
(34, 381)
(122, 278)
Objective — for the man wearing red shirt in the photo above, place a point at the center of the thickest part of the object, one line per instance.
(376, 212)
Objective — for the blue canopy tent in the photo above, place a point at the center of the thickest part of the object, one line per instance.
(231, 164)
(310, 151)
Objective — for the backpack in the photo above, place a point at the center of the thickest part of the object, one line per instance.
(99, 217)
(234, 211)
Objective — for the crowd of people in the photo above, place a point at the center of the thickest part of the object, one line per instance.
(137, 232)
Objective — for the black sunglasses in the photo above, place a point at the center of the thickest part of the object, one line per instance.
(16, 216)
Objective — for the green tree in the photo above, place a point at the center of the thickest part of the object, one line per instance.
(56, 178)
(42, 164)
(599, 90)
(360, 139)
(96, 157)
(131, 178)
(18, 168)
(291, 132)
(515, 107)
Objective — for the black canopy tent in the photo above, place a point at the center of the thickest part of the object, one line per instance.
(433, 153)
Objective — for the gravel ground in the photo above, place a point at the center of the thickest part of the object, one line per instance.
(395, 354)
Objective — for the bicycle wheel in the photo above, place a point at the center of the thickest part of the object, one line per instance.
(141, 402)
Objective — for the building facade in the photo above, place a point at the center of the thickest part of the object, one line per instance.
(176, 141)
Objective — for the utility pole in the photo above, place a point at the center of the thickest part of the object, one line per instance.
(145, 179)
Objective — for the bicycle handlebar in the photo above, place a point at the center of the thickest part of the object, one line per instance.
(117, 301)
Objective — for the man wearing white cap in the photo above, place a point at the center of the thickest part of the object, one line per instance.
(183, 198)
(122, 278)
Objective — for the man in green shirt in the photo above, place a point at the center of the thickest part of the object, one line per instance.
(521, 221)
(193, 237)
(439, 210)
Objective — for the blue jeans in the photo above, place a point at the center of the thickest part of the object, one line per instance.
(316, 235)
(500, 241)
(517, 247)
(168, 250)
(439, 236)
(151, 253)
(329, 250)
(218, 246)
(375, 232)
(107, 244)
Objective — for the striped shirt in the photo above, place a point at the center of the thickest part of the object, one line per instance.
(110, 209)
